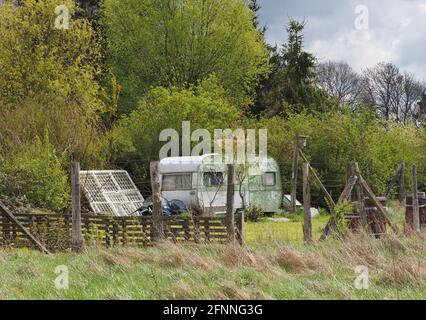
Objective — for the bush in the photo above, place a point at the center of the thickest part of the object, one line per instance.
(253, 213)
(339, 217)
(35, 177)
(337, 138)
(48, 79)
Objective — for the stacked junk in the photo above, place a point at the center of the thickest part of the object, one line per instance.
(409, 217)
(376, 222)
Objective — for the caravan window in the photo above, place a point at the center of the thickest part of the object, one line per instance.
(269, 179)
(173, 182)
(213, 179)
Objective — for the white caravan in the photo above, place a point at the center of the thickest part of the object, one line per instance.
(201, 182)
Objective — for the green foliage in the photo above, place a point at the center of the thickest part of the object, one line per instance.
(42, 63)
(35, 177)
(290, 86)
(178, 43)
(323, 212)
(186, 214)
(94, 235)
(253, 213)
(136, 136)
(48, 78)
(298, 64)
(255, 8)
(338, 138)
(170, 61)
(339, 219)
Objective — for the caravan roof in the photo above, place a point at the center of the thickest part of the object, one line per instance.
(192, 164)
(183, 164)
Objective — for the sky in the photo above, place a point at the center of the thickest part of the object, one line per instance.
(360, 32)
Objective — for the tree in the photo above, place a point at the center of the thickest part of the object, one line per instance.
(340, 82)
(255, 7)
(45, 64)
(393, 94)
(339, 137)
(179, 43)
(136, 136)
(265, 95)
(420, 111)
(90, 9)
(299, 64)
(291, 81)
(268, 93)
(381, 84)
(47, 78)
(413, 95)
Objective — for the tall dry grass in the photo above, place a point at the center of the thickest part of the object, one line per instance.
(326, 269)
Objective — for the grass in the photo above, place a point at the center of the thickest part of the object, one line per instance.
(271, 266)
(267, 231)
(274, 271)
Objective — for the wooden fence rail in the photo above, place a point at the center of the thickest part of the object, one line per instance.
(55, 231)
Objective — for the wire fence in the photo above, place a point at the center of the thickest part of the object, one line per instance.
(333, 180)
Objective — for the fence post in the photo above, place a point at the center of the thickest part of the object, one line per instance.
(230, 192)
(360, 198)
(401, 187)
(307, 225)
(294, 174)
(349, 174)
(157, 207)
(416, 213)
(241, 228)
(77, 235)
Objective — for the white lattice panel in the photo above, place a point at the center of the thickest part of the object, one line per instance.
(111, 192)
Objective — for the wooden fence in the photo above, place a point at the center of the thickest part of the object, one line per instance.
(409, 215)
(55, 231)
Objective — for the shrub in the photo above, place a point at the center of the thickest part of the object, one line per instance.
(253, 213)
(48, 78)
(337, 138)
(35, 176)
(339, 217)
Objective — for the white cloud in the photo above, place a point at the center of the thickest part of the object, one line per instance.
(359, 48)
(397, 30)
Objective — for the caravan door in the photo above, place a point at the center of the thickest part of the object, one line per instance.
(211, 186)
(212, 189)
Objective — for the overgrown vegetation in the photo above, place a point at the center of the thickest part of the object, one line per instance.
(136, 136)
(48, 79)
(253, 213)
(267, 271)
(35, 177)
(103, 93)
(178, 44)
(338, 214)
